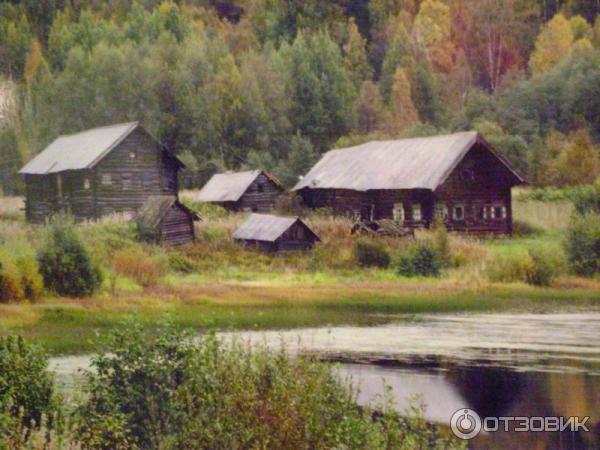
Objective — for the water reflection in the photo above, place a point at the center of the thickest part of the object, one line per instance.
(492, 392)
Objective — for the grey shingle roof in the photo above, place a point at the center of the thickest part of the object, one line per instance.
(152, 212)
(419, 163)
(227, 187)
(264, 227)
(78, 151)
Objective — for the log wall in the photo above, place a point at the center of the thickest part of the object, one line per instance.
(177, 227)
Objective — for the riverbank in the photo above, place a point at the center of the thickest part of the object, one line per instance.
(69, 326)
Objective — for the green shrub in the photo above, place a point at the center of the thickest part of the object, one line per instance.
(583, 244)
(181, 263)
(441, 243)
(420, 260)
(65, 262)
(370, 253)
(546, 265)
(162, 389)
(26, 388)
(509, 268)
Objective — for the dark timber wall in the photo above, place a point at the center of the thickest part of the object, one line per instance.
(120, 182)
(260, 196)
(480, 187)
(177, 227)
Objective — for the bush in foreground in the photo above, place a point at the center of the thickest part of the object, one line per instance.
(65, 262)
(26, 391)
(583, 244)
(161, 389)
(370, 253)
(138, 265)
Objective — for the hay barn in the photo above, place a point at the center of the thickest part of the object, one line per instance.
(254, 190)
(98, 172)
(458, 177)
(274, 233)
(164, 220)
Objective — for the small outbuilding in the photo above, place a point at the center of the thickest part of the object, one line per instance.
(254, 190)
(164, 220)
(274, 233)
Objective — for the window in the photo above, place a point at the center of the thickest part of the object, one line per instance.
(126, 180)
(458, 212)
(132, 155)
(86, 183)
(498, 212)
(106, 179)
(398, 212)
(260, 188)
(416, 212)
(479, 211)
(59, 185)
(441, 211)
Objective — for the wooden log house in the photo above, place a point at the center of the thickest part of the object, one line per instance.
(253, 190)
(270, 233)
(164, 220)
(459, 178)
(98, 172)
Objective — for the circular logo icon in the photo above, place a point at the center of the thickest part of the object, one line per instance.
(465, 424)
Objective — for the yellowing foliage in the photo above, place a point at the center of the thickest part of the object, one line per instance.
(554, 43)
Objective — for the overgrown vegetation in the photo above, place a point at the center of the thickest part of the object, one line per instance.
(27, 399)
(370, 253)
(163, 389)
(65, 261)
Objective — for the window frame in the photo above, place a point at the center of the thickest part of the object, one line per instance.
(398, 212)
(106, 179)
(416, 207)
(456, 207)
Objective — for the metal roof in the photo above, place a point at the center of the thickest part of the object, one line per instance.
(227, 187)
(419, 163)
(264, 227)
(78, 151)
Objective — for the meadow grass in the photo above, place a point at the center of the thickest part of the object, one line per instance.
(67, 326)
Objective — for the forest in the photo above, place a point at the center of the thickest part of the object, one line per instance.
(274, 83)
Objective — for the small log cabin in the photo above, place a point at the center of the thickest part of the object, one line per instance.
(270, 233)
(253, 190)
(164, 220)
(459, 177)
(98, 172)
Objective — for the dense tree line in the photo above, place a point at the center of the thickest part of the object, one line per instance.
(274, 83)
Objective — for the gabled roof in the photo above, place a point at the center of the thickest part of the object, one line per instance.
(80, 150)
(229, 187)
(266, 227)
(152, 212)
(419, 163)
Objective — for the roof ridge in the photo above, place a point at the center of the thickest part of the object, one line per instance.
(114, 125)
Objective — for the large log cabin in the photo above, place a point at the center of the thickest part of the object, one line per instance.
(253, 190)
(98, 172)
(459, 177)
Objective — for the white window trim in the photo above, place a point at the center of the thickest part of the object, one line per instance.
(417, 207)
(106, 179)
(455, 208)
(398, 212)
(86, 183)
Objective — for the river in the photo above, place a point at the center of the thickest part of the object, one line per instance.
(496, 364)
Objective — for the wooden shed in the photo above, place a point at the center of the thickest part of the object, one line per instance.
(275, 233)
(98, 172)
(459, 177)
(164, 220)
(254, 190)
